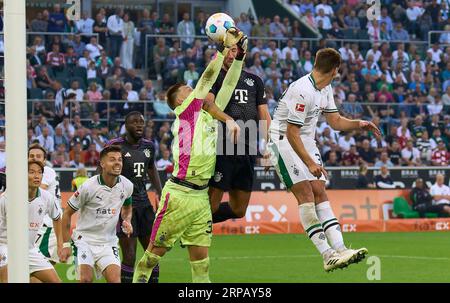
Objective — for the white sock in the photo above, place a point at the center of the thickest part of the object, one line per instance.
(330, 225)
(312, 226)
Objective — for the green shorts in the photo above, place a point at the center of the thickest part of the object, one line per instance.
(184, 214)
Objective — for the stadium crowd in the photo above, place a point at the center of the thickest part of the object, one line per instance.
(81, 86)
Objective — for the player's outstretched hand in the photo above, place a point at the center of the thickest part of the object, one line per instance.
(232, 37)
(370, 126)
(127, 228)
(233, 130)
(316, 170)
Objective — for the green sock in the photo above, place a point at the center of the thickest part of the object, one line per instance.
(200, 271)
(145, 266)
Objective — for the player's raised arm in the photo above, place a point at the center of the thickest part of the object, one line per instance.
(211, 72)
(232, 77)
(337, 122)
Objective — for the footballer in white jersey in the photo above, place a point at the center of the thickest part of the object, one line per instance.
(46, 238)
(41, 204)
(100, 201)
(297, 159)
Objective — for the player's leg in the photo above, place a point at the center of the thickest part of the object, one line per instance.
(330, 224)
(128, 248)
(167, 228)
(220, 183)
(197, 237)
(3, 264)
(86, 273)
(242, 184)
(84, 261)
(199, 260)
(144, 231)
(45, 276)
(4, 274)
(41, 269)
(239, 200)
(326, 216)
(112, 274)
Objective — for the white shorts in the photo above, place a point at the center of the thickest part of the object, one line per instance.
(47, 244)
(3, 255)
(99, 257)
(290, 168)
(38, 261)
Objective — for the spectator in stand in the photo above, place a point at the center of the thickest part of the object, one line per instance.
(164, 163)
(57, 21)
(363, 181)
(324, 18)
(186, 29)
(166, 26)
(134, 79)
(291, 49)
(46, 140)
(162, 110)
(440, 192)
(307, 5)
(277, 29)
(39, 24)
(346, 141)
(55, 59)
(309, 19)
(100, 27)
(384, 161)
(351, 21)
(60, 158)
(85, 60)
(126, 50)
(85, 25)
(67, 128)
(81, 138)
(351, 157)
(411, 155)
(94, 48)
(92, 156)
(332, 160)
(93, 93)
(244, 24)
(327, 9)
(425, 145)
(422, 201)
(75, 89)
(374, 31)
(60, 138)
(160, 53)
(413, 13)
(261, 29)
(384, 180)
(440, 156)
(43, 123)
(367, 153)
(191, 76)
(115, 32)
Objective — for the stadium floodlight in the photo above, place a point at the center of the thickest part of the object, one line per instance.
(16, 140)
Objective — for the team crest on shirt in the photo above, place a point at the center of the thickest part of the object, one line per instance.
(147, 153)
(249, 82)
(122, 195)
(40, 211)
(218, 176)
(83, 256)
(2, 258)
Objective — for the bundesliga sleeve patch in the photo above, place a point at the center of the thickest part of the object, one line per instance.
(300, 107)
(76, 194)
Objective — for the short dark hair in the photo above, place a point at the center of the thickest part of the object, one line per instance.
(110, 149)
(38, 164)
(327, 59)
(131, 114)
(37, 146)
(172, 95)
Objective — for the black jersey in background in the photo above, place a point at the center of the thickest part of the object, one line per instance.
(243, 105)
(137, 159)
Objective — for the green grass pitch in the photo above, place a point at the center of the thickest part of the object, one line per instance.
(404, 257)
